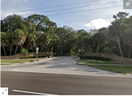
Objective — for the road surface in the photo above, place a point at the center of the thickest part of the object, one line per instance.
(63, 76)
(60, 84)
(58, 65)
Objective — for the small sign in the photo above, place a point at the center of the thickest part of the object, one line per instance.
(36, 52)
(37, 49)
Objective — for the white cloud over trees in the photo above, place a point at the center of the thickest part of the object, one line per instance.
(97, 23)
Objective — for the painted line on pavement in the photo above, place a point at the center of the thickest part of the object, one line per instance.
(35, 93)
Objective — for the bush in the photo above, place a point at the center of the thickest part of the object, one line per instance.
(107, 50)
(67, 54)
(48, 54)
(24, 51)
(81, 53)
(32, 57)
(95, 58)
(72, 53)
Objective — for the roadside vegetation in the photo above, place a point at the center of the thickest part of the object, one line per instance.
(33, 57)
(24, 34)
(104, 65)
(117, 69)
(16, 61)
(8, 62)
(97, 61)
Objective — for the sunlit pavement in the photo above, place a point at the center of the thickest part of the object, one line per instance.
(59, 65)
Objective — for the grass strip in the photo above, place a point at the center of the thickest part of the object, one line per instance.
(117, 69)
(4, 64)
(97, 61)
(16, 61)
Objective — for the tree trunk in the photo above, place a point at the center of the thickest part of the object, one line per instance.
(97, 50)
(124, 49)
(32, 49)
(10, 49)
(129, 52)
(89, 49)
(4, 50)
(118, 41)
(61, 51)
(16, 49)
(41, 49)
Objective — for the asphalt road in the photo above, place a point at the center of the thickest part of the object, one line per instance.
(63, 76)
(58, 65)
(60, 84)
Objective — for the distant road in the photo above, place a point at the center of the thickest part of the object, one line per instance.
(20, 83)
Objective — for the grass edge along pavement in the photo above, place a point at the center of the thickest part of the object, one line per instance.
(117, 69)
(9, 62)
(97, 61)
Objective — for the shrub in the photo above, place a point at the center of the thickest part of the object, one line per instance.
(81, 53)
(32, 57)
(48, 54)
(67, 54)
(95, 58)
(24, 51)
(107, 50)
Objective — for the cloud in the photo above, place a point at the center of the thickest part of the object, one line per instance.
(97, 23)
(5, 14)
(10, 7)
(18, 1)
(14, 1)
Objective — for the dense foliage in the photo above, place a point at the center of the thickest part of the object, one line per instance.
(38, 31)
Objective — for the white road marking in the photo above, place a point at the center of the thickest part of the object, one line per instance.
(35, 93)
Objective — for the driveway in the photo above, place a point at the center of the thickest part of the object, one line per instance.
(59, 65)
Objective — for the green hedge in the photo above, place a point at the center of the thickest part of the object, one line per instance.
(95, 58)
(32, 57)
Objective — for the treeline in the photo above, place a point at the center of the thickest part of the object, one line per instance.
(38, 31)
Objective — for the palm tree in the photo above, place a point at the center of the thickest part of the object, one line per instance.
(128, 31)
(116, 31)
(9, 35)
(4, 41)
(31, 41)
(129, 42)
(18, 38)
(43, 40)
(99, 40)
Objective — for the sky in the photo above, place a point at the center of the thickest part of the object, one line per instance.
(78, 14)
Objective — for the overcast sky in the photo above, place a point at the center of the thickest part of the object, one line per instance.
(78, 14)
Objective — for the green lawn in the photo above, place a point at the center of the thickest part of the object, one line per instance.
(118, 69)
(8, 62)
(15, 61)
(97, 61)
(4, 64)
